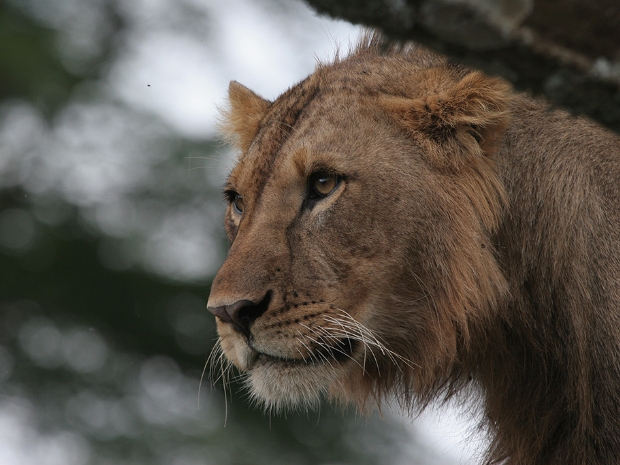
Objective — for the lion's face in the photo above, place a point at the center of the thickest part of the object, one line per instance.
(336, 280)
(313, 253)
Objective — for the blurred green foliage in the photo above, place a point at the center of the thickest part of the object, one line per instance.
(29, 67)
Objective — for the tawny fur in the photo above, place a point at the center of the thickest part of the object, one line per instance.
(473, 243)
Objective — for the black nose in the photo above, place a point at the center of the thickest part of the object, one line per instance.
(242, 313)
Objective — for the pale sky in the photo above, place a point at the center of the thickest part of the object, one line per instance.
(182, 76)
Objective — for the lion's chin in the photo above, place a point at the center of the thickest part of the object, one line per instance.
(279, 385)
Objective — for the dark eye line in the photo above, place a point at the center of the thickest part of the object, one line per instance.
(322, 170)
(230, 195)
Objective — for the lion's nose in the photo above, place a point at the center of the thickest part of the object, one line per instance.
(242, 313)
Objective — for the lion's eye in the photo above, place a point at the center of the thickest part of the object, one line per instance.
(238, 204)
(322, 185)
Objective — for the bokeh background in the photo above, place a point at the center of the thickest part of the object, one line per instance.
(110, 232)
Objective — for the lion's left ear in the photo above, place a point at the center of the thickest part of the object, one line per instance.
(464, 120)
(241, 120)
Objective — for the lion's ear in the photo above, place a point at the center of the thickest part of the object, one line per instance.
(241, 119)
(463, 120)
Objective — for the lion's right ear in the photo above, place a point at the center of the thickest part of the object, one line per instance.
(241, 119)
(457, 121)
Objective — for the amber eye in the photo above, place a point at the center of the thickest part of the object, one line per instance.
(237, 203)
(322, 185)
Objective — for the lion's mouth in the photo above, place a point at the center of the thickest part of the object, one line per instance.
(338, 351)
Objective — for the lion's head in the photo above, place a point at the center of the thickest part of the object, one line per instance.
(360, 214)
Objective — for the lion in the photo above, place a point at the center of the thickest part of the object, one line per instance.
(407, 228)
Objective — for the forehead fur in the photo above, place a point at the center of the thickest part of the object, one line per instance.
(275, 127)
(374, 69)
(378, 67)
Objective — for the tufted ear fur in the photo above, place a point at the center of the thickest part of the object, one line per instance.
(240, 121)
(456, 122)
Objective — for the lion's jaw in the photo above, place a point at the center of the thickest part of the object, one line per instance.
(278, 383)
